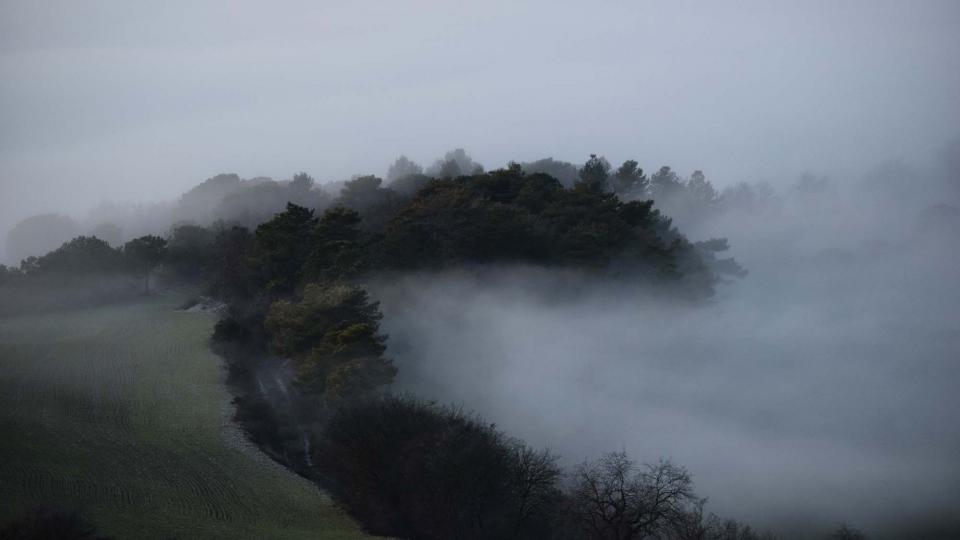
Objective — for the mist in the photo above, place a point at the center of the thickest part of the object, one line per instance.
(820, 389)
(108, 100)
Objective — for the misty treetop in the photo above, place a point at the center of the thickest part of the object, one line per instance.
(412, 469)
(81, 271)
(89, 256)
(298, 314)
(145, 254)
(504, 216)
(294, 284)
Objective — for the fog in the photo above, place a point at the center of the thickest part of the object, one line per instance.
(819, 389)
(128, 102)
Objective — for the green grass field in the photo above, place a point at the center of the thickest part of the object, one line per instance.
(119, 412)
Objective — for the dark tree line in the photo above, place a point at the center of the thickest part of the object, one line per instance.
(300, 321)
(87, 256)
(307, 361)
(410, 469)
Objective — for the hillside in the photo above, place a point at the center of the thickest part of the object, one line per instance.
(120, 413)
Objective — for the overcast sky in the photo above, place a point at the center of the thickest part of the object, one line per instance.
(141, 100)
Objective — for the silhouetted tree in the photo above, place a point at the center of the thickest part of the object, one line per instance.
(614, 499)
(256, 200)
(409, 185)
(701, 191)
(594, 174)
(82, 256)
(8, 275)
(189, 251)
(535, 493)
(567, 173)
(402, 168)
(449, 169)
(362, 192)
(336, 252)
(233, 275)
(410, 469)
(453, 164)
(145, 254)
(301, 182)
(282, 248)
(665, 184)
(629, 182)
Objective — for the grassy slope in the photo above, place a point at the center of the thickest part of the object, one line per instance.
(119, 412)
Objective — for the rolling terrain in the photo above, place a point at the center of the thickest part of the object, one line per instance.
(119, 412)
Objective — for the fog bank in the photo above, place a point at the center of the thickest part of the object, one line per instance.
(819, 389)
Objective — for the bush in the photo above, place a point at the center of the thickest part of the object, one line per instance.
(410, 469)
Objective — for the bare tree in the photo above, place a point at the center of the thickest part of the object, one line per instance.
(534, 479)
(616, 500)
(694, 526)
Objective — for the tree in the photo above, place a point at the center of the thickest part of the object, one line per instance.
(701, 191)
(232, 273)
(594, 174)
(332, 336)
(453, 164)
(8, 275)
(336, 251)
(409, 185)
(82, 256)
(402, 168)
(410, 469)
(534, 493)
(189, 252)
(449, 169)
(665, 184)
(567, 173)
(282, 247)
(363, 192)
(145, 254)
(302, 182)
(629, 181)
(614, 499)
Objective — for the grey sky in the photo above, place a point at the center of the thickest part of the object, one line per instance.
(138, 101)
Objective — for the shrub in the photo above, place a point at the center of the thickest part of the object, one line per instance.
(410, 469)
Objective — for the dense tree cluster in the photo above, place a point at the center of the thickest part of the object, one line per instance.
(331, 336)
(248, 202)
(410, 469)
(401, 467)
(307, 362)
(88, 256)
(507, 215)
(81, 271)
